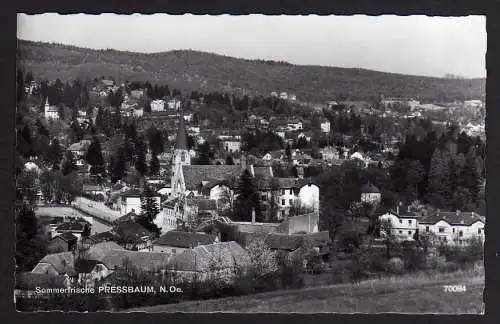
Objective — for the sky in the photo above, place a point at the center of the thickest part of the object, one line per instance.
(417, 45)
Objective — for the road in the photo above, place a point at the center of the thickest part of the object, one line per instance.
(96, 209)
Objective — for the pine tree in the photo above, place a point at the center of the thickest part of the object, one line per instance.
(154, 166)
(118, 171)
(229, 160)
(140, 156)
(94, 157)
(247, 199)
(149, 211)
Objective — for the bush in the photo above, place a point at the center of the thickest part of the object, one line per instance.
(395, 266)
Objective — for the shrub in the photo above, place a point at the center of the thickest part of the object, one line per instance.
(395, 266)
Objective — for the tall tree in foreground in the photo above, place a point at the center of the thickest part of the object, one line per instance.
(69, 164)
(94, 157)
(247, 199)
(149, 210)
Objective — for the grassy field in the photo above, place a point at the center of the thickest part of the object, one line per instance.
(418, 293)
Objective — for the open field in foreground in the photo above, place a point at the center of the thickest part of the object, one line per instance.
(418, 293)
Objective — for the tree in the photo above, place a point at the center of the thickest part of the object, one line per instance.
(69, 164)
(204, 154)
(387, 232)
(229, 160)
(54, 154)
(95, 158)
(247, 198)
(288, 153)
(154, 165)
(140, 156)
(118, 167)
(415, 176)
(149, 210)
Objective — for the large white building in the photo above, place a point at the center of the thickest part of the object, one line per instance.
(50, 111)
(451, 228)
(158, 105)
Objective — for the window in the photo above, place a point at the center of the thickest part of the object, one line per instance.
(283, 192)
(290, 201)
(409, 221)
(441, 230)
(183, 156)
(400, 221)
(453, 230)
(427, 228)
(479, 231)
(283, 214)
(283, 202)
(460, 233)
(400, 232)
(173, 251)
(409, 232)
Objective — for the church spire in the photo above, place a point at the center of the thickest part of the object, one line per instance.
(181, 141)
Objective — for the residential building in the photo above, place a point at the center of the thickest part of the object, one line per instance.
(325, 126)
(370, 194)
(176, 242)
(131, 201)
(158, 105)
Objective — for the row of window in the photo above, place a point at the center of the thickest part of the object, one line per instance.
(460, 233)
(401, 221)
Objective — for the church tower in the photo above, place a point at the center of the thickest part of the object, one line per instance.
(47, 108)
(181, 157)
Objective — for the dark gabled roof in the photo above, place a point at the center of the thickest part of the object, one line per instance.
(195, 174)
(369, 188)
(131, 232)
(181, 141)
(71, 226)
(30, 281)
(99, 251)
(62, 262)
(145, 261)
(184, 239)
(66, 236)
(263, 172)
(294, 241)
(132, 193)
(452, 218)
(130, 216)
(102, 237)
(203, 204)
(85, 266)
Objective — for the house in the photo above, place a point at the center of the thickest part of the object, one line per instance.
(158, 105)
(79, 149)
(172, 210)
(176, 242)
(62, 243)
(453, 228)
(188, 116)
(370, 194)
(57, 264)
(74, 227)
(93, 190)
(325, 126)
(218, 260)
(138, 112)
(51, 112)
(274, 94)
(137, 94)
(231, 143)
(273, 155)
(404, 226)
(292, 97)
(132, 236)
(149, 262)
(294, 125)
(305, 135)
(90, 272)
(290, 243)
(131, 201)
(329, 153)
(174, 104)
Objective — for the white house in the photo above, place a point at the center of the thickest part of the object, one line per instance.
(329, 153)
(284, 96)
(370, 194)
(174, 104)
(325, 126)
(294, 125)
(232, 145)
(454, 228)
(403, 226)
(158, 105)
(138, 112)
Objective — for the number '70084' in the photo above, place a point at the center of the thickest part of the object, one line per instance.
(454, 288)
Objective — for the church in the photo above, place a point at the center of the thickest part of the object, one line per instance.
(196, 186)
(50, 111)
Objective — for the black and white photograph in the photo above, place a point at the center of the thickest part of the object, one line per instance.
(250, 164)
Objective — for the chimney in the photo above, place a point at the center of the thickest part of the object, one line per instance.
(253, 215)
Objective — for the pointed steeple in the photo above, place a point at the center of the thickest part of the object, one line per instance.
(181, 141)
(47, 102)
